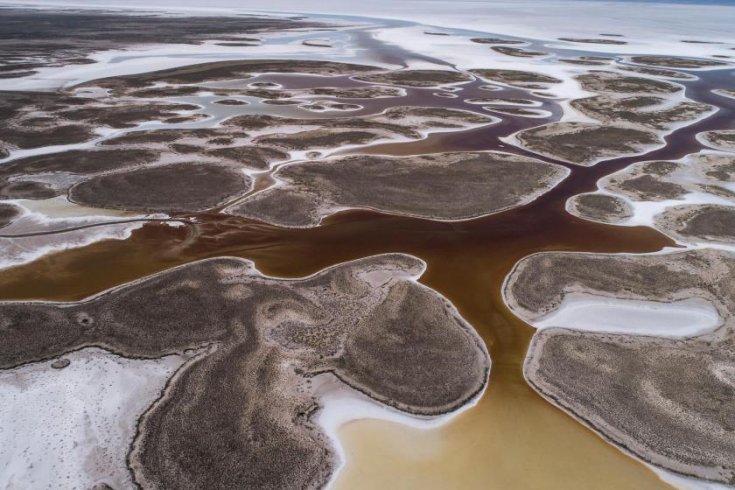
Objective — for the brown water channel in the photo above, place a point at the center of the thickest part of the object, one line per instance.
(513, 439)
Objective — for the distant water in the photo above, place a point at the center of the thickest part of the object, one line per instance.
(680, 2)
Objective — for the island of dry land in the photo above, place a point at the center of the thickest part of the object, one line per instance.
(632, 115)
(517, 78)
(518, 52)
(586, 143)
(699, 222)
(417, 78)
(708, 217)
(723, 139)
(677, 62)
(592, 40)
(667, 401)
(242, 413)
(183, 187)
(442, 186)
(599, 207)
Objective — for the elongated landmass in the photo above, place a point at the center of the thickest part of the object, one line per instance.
(172, 188)
(586, 143)
(443, 186)
(242, 414)
(417, 78)
(677, 62)
(667, 401)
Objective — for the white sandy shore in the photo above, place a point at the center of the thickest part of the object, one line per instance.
(644, 212)
(593, 313)
(17, 251)
(72, 427)
(685, 482)
(342, 405)
(58, 215)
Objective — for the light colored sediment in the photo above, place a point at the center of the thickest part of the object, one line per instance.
(518, 52)
(443, 186)
(45, 226)
(22, 250)
(632, 388)
(703, 172)
(593, 313)
(74, 422)
(243, 414)
(681, 482)
(343, 405)
(59, 42)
